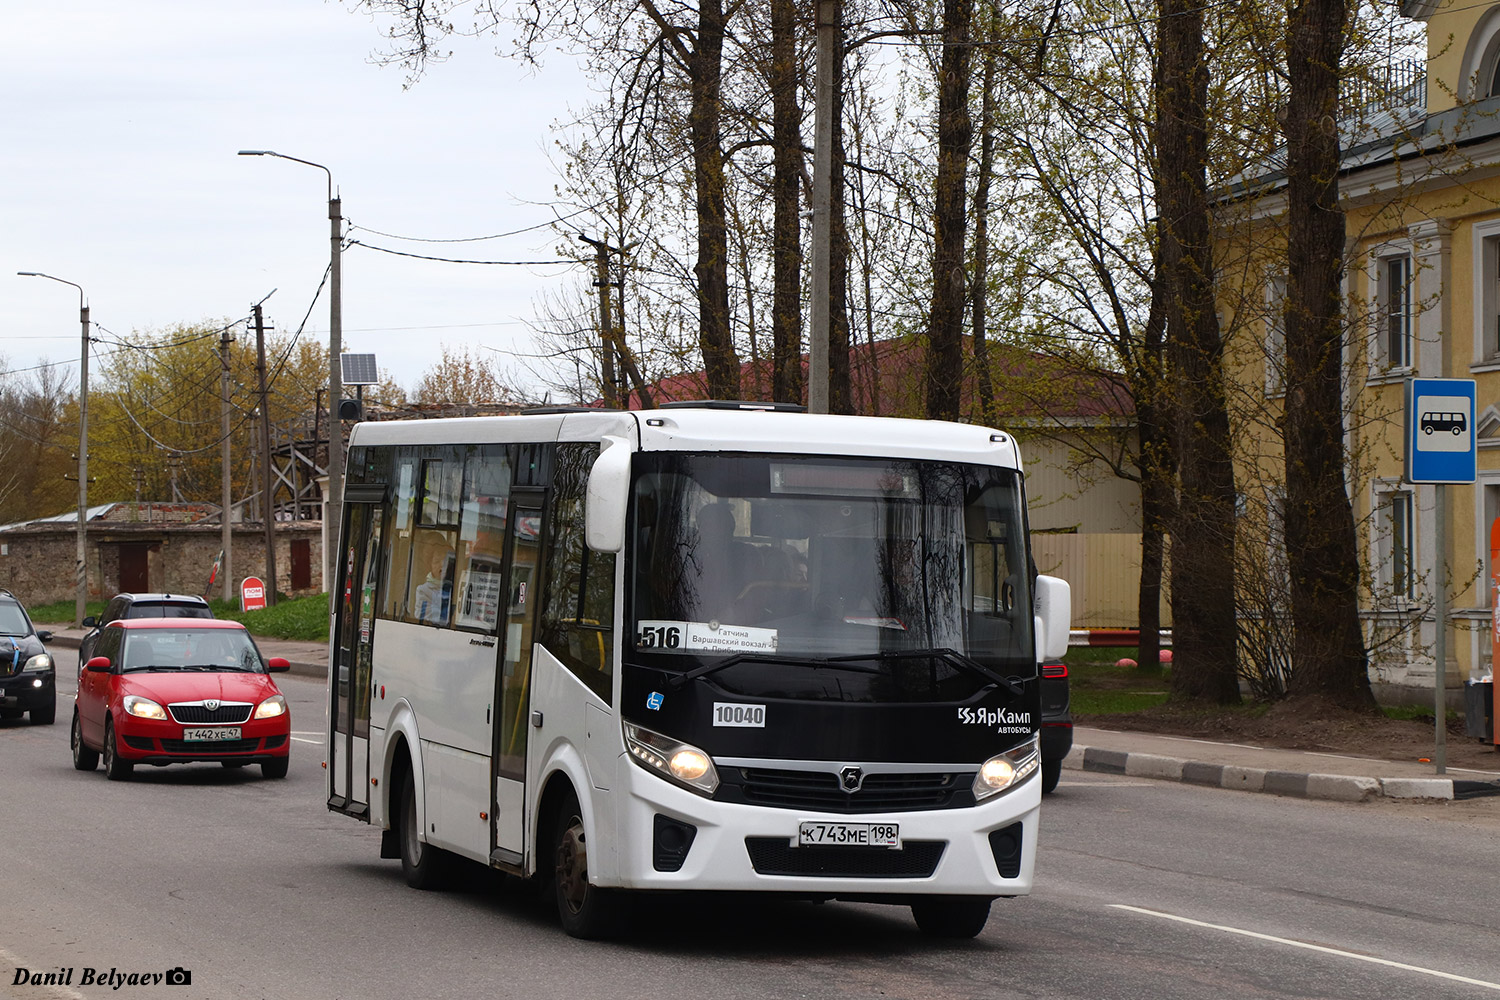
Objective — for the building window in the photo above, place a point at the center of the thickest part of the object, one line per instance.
(1396, 310)
(1275, 335)
(1397, 554)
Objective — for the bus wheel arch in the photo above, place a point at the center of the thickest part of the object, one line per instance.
(585, 910)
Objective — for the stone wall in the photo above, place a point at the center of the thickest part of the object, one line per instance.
(36, 561)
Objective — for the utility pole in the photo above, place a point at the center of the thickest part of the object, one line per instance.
(268, 509)
(829, 16)
(80, 566)
(606, 321)
(606, 325)
(335, 396)
(613, 337)
(226, 495)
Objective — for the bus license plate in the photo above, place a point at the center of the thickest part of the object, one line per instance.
(814, 833)
(208, 735)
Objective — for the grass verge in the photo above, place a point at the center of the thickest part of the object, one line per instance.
(302, 618)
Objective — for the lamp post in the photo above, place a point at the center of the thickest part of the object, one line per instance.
(80, 567)
(335, 389)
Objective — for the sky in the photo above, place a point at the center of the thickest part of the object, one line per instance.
(118, 172)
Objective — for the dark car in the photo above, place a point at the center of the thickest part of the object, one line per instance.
(1057, 722)
(28, 682)
(139, 606)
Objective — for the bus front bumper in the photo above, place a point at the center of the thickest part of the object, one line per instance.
(680, 840)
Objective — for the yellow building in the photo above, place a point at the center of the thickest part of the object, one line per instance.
(1421, 187)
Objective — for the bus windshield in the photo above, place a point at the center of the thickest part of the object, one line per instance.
(818, 576)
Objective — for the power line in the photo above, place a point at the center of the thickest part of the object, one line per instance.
(474, 239)
(452, 260)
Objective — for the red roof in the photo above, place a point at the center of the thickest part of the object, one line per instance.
(1027, 384)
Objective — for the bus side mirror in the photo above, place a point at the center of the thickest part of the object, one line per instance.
(608, 496)
(1054, 617)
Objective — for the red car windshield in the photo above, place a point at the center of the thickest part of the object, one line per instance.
(161, 649)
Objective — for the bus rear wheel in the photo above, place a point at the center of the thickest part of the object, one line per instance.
(585, 911)
(421, 863)
(951, 916)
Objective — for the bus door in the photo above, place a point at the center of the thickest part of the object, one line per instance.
(523, 546)
(354, 634)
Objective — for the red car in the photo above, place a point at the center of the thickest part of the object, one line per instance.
(175, 690)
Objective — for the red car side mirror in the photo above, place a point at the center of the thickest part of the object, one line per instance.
(98, 665)
(278, 664)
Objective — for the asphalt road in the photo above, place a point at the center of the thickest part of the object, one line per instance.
(1144, 890)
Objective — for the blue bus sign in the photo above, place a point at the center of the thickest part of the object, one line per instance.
(1440, 439)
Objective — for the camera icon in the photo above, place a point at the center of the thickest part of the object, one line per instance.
(179, 977)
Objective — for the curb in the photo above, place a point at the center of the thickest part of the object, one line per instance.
(1335, 787)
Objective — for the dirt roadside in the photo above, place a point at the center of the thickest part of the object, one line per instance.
(1289, 727)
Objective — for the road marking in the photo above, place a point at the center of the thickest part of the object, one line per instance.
(1070, 783)
(298, 739)
(1310, 947)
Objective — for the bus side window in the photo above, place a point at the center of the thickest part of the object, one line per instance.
(400, 537)
(481, 538)
(578, 617)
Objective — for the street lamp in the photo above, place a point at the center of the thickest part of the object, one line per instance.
(80, 568)
(335, 388)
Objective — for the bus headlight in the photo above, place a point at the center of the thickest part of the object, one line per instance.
(683, 763)
(1007, 770)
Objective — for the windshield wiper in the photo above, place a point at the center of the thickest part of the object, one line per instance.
(153, 667)
(729, 661)
(953, 656)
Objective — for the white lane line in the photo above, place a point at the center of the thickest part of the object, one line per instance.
(1069, 783)
(298, 739)
(1311, 947)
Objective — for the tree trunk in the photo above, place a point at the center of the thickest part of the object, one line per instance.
(786, 311)
(1156, 465)
(1328, 651)
(979, 291)
(721, 364)
(840, 377)
(955, 136)
(1202, 571)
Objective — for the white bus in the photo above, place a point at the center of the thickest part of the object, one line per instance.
(703, 647)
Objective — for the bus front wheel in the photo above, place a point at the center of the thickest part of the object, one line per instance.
(585, 911)
(951, 916)
(421, 863)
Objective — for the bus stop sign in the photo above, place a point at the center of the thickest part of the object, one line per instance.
(1440, 436)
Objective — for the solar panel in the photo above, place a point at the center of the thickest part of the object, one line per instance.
(358, 369)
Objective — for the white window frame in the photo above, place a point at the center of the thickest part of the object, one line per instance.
(1394, 534)
(1275, 341)
(1396, 311)
(1481, 59)
(1378, 364)
(1486, 297)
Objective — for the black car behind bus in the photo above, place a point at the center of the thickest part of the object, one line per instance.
(28, 682)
